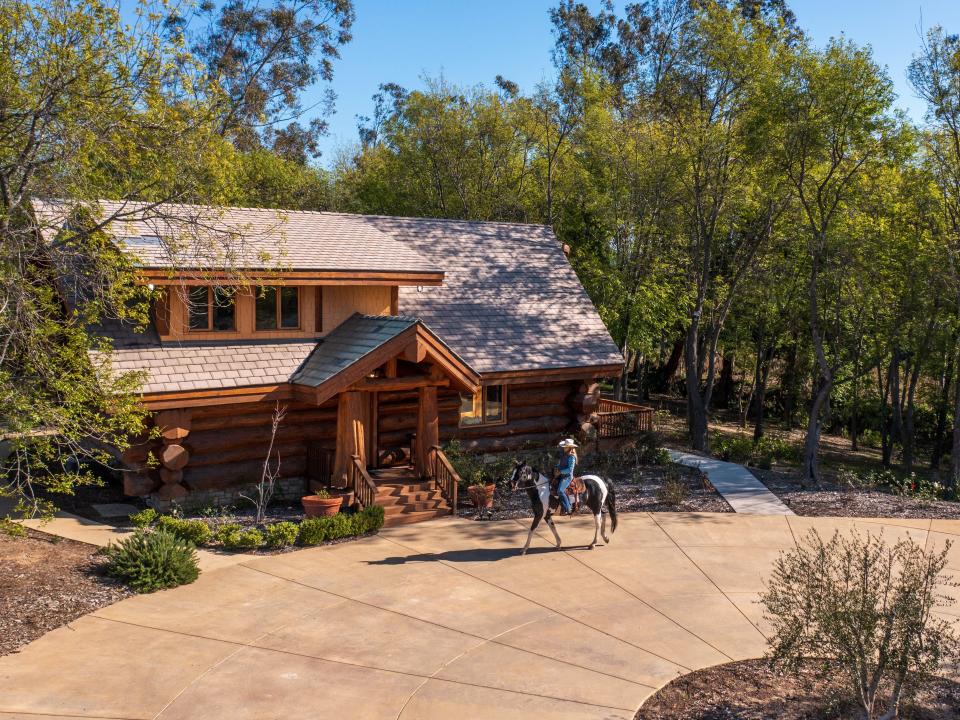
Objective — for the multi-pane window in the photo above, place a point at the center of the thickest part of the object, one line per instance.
(487, 406)
(212, 309)
(278, 308)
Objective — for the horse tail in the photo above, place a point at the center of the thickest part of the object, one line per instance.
(612, 507)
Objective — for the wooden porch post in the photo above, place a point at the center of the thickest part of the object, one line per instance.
(428, 428)
(353, 419)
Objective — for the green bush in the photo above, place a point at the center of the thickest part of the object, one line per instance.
(225, 531)
(280, 534)
(314, 531)
(775, 449)
(144, 518)
(11, 528)
(153, 560)
(195, 531)
(737, 449)
(236, 538)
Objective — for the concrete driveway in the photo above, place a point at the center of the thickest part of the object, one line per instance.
(437, 620)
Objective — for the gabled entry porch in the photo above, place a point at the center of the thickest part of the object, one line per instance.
(366, 358)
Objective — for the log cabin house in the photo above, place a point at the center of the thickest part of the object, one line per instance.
(383, 337)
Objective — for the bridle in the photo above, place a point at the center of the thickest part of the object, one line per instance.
(527, 472)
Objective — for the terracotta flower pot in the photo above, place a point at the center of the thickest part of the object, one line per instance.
(314, 506)
(482, 495)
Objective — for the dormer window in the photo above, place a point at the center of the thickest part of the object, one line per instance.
(278, 308)
(212, 309)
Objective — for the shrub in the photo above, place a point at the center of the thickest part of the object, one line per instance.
(194, 531)
(153, 560)
(870, 438)
(737, 449)
(865, 612)
(673, 491)
(236, 538)
(771, 449)
(144, 518)
(11, 528)
(225, 531)
(312, 531)
(280, 534)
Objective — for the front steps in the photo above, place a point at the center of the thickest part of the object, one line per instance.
(407, 499)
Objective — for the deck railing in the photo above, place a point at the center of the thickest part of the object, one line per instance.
(445, 476)
(618, 419)
(364, 489)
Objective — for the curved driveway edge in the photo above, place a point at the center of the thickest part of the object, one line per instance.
(436, 620)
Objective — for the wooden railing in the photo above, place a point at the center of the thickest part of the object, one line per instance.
(445, 476)
(618, 419)
(364, 489)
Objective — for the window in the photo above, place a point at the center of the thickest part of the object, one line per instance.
(487, 406)
(211, 309)
(278, 308)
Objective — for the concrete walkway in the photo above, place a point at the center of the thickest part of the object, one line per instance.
(736, 484)
(432, 621)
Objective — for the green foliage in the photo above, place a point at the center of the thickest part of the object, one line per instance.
(673, 491)
(865, 611)
(735, 448)
(280, 534)
(193, 531)
(314, 531)
(234, 537)
(151, 560)
(763, 453)
(322, 493)
(11, 528)
(144, 518)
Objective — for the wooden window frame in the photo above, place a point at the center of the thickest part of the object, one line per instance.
(276, 309)
(483, 409)
(211, 291)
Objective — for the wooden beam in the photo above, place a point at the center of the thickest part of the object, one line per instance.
(410, 382)
(517, 377)
(222, 396)
(199, 276)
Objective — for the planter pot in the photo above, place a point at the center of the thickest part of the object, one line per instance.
(482, 495)
(314, 506)
(345, 495)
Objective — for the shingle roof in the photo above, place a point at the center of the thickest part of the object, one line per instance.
(509, 300)
(195, 236)
(349, 342)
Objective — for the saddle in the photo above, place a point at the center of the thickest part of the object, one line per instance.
(573, 491)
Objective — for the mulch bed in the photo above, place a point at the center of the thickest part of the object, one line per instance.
(635, 493)
(48, 582)
(833, 500)
(750, 690)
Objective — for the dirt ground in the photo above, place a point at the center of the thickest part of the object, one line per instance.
(750, 690)
(635, 492)
(840, 501)
(46, 582)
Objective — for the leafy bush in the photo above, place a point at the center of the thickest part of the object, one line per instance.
(661, 457)
(870, 438)
(225, 531)
(910, 485)
(771, 449)
(195, 531)
(865, 612)
(153, 560)
(236, 538)
(737, 449)
(314, 531)
(144, 518)
(763, 453)
(673, 491)
(467, 465)
(280, 534)
(11, 528)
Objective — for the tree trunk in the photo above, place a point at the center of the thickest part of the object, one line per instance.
(812, 444)
(954, 480)
(726, 383)
(760, 395)
(943, 405)
(696, 407)
(787, 383)
(663, 376)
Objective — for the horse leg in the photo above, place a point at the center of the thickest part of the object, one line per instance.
(533, 526)
(596, 529)
(554, 529)
(603, 528)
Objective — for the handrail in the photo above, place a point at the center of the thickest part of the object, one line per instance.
(447, 479)
(616, 418)
(610, 405)
(364, 489)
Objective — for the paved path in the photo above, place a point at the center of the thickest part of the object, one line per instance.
(431, 621)
(736, 484)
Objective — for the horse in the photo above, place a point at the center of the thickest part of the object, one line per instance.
(575, 489)
(543, 502)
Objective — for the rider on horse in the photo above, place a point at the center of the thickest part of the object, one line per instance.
(564, 472)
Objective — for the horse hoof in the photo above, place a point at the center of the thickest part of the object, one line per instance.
(589, 547)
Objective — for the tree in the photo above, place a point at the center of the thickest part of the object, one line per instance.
(857, 609)
(263, 57)
(834, 109)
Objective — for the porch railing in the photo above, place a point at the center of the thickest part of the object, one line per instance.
(364, 489)
(618, 419)
(320, 464)
(444, 475)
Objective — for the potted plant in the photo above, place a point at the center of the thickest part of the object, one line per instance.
(321, 504)
(345, 494)
(481, 492)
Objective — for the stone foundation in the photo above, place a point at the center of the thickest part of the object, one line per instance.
(287, 489)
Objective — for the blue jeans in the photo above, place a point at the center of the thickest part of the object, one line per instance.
(562, 492)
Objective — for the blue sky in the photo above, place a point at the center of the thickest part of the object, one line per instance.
(470, 42)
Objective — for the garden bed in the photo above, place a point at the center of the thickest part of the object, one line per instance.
(750, 690)
(48, 582)
(637, 490)
(833, 499)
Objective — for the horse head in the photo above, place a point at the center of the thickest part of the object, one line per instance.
(522, 476)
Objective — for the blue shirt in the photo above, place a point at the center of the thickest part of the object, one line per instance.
(566, 465)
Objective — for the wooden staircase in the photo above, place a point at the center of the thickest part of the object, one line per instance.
(406, 498)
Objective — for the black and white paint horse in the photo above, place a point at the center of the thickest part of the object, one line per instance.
(598, 494)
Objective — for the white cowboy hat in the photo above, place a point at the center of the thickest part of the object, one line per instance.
(567, 443)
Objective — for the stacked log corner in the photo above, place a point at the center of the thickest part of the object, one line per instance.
(172, 454)
(584, 403)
